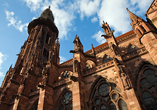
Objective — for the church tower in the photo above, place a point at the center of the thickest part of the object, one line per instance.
(146, 34)
(39, 54)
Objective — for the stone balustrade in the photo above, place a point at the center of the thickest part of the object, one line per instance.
(98, 68)
(134, 53)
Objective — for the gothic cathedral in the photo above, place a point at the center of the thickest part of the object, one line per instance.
(120, 74)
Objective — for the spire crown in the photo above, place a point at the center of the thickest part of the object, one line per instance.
(134, 18)
(47, 13)
(106, 28)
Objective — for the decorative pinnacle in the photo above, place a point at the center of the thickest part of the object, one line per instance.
(49, 7)
(57, 40)
(76, 36)
(127, 9)
(92, 46)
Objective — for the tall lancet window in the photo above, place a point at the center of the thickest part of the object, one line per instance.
(35, 105)
(146, 85)
(65, 75)
(66, 101)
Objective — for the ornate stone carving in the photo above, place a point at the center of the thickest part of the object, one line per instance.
(124, 78)
(106, 28)
(115, 48)
(77, 67)
(44, 76)
(116, 61)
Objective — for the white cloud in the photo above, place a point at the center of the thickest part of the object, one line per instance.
(5, 4)
(140, 6)
(62, 59)
(33, 18)
(95, 19)
(114, 13)
(98, 37)
(17, 24)
(33, 4)
(88, 7)
(111, 11)
(1, 74)
(2, 59)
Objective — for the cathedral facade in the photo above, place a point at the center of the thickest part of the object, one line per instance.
(120, 74)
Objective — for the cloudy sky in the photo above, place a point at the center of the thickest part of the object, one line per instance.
(81, 17)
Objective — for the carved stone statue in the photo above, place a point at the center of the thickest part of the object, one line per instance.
(125, 81)
(124, 78)
(77, 67)
(77, 43)
(115, 48)
(106, 28)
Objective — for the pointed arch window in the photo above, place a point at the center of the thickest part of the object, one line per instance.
(122, 105)
(105, 97)
(138, 32)
(143, 29)
(112, 106)
(65, 75)
(66, 101)
(106, 58)
(47, 39)
(149, 101)
(103, 107)
(46, 53)
(147, 82)
(35, 105)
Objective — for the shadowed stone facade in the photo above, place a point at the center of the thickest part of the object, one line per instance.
(120, 74)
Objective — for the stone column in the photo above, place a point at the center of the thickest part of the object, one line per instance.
(46, 98)
(78, 95)
(149, 40)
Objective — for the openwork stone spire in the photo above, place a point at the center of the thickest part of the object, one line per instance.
(134, 18)
(47, 13)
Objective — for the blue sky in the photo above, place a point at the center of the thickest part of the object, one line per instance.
(81, 17)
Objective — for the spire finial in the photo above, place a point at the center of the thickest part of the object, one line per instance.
(127, 9)
(49, 7)
(76, 36)
(93, 51)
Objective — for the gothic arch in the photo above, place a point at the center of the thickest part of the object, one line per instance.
(61, 96)
(93, 85)
(34, 105)
(62, 73)
(139, 68)
(103, 94)
(122, 105)
(146, 82)
(113, 106)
